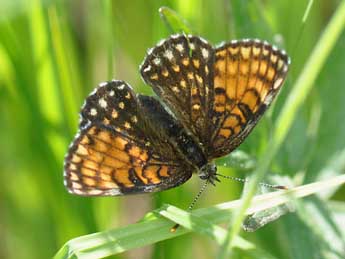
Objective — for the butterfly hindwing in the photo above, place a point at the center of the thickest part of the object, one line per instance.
(114, 153)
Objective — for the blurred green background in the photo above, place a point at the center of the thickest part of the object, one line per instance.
(53, 53)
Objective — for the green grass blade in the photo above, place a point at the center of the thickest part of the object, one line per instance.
(199, 225)
(338, 209)
(108, 13)
(174, 22)
(133, 236)
(7, 72)
(66, 68)
(303, 24)
(47, 88)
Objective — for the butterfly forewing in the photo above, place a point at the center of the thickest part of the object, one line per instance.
(114, 153)
(179, 71)
(247, 76)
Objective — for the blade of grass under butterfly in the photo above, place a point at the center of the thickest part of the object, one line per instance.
(133, 236)
(199, 225)
(296, 98)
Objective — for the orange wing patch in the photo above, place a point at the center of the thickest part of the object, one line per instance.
(247, 76)
(101, 161)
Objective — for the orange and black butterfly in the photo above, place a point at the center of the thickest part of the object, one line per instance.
(213, 97)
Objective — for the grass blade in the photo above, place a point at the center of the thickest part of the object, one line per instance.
(116, 241)
(174, 21)
(108, 12)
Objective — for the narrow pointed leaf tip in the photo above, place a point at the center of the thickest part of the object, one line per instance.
(174, 22)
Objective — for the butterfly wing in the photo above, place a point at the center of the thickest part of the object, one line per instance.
(117, 151)
(248, 74)
(178, 69)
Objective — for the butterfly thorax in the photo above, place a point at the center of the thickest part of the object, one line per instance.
(174, 133)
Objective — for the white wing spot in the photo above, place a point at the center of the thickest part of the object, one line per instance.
(268, 99)
(102, 103)
(157, 61)
(93, 112)
(192, 46)
(168, 54)
(121, 87)
(277, 83)
(204, 53)
(111, 93)
(148, 68)
(94, 192)
(180, 47)
(149, 51)
(76, 186)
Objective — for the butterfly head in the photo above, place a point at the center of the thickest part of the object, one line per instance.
(208, 172)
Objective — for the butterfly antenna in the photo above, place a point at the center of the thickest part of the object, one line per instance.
(191, 206)
(276, 187)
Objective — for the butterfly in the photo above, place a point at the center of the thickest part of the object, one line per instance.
(210, 99)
